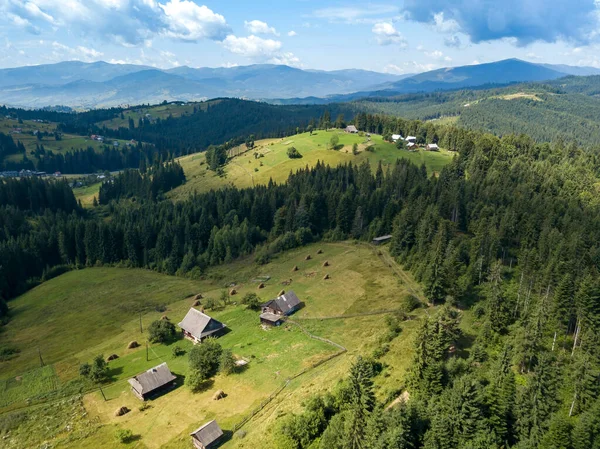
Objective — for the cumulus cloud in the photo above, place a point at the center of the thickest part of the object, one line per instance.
(292, 33)
(258, 27)
(128, 22)
(60, 51)
(252, 47)
(386, 34)
(526, 22)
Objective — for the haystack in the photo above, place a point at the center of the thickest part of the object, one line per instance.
(198, 297)
(261, 285)
(112, 357)
(308, 257)
(219, 394)
(121, 411)
(295, 268)
(326, 263)
(320, 251)
(132, 344)
(164, 318)
(326, 277)
(282, 292)
(196, 303)
(232, 292)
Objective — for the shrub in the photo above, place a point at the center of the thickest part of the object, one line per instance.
(123, 436)
(8, 353)
(333, 142)
(177, 351)
(161, 331)
(251, 301)
(196, 380)
(226, 362)
(97, 371)
(205, 358)
(293, 153)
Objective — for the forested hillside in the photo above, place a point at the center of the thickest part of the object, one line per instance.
(566, 108)
(504, 241)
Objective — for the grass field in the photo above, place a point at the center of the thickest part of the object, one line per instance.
(244, 169)
(86, 194)
(96, 310)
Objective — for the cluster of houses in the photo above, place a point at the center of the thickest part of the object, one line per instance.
(25, 174)
(197, 326)
(97, 138)
(411, 142)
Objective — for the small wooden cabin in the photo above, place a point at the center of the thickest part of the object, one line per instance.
(152, 382)
(196, 326)
(276, 309)
(206, 436)
(382, 239)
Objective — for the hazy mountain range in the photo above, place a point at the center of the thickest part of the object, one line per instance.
(100, 84)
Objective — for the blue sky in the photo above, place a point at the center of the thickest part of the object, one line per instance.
(396, 37)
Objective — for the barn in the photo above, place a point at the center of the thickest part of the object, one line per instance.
(276, 309)
(207, 435)
(196, 326)
(152, 382)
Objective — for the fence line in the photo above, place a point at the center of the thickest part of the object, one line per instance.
(276, 393)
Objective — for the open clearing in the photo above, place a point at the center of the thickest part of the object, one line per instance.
(97, 310)
(245, 170)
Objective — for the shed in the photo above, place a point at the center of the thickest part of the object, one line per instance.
(351, 129)
(151, 381)
(271, 319)
(197, 325)
(283, 305)
(432, 147)
(412, 139)
(397, 137)
(382, 239)
(207, 435)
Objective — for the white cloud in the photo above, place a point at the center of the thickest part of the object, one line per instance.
(292, 33)
(286, 59)
(445, 26)
(252, 47)
(351, 14)
(126, 22)
(437, 54)
(452, 41)
(258, 27)
(386, 34)
(60, 51)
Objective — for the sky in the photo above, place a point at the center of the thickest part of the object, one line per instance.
(396, 37)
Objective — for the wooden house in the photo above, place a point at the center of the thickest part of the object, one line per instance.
(196, 326)
(351, 129)
(276, 309)
(412, 139)
(432, 147)
(152, 382)
(206, 437)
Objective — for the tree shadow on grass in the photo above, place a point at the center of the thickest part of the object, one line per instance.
(113, 373)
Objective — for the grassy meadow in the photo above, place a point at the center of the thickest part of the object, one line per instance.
(97, 310)
(245, 170)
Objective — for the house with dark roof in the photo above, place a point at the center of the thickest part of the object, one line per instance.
(207, 435)
(274, 310)
(196, 326)
(152, 381)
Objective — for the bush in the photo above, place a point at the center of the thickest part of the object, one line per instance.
(8, 353)
(226, 362)
(293, 153)
(161, 331)
(251, 301)
(196, 380)
(97, 371)
(177, 351)
(205, 358)
(123, 436)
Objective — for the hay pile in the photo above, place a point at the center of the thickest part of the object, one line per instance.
(320, 251)
(326, 263)
(261, 285)
(164, 318)
(133, 344)
(112, 357)
(282, 292)
(196, 303)
(198, 297)
(219, 394)
(121, 411)
(232, 292)
(295, 268)
(326, 277)
(308, 257)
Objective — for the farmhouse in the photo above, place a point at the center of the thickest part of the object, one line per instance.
(382, 239)
(152, 381)
(397, 137)
(274, 310)
(432, 147)
(351, 129)
(410, 145)
(196, 326)
(411, 139)
(204, 437)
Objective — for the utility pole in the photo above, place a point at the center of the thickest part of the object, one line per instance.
(147, 351)
(40, 355)
(102, 391)
(141, 328)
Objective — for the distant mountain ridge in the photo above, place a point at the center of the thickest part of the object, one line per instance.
(100, 84)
